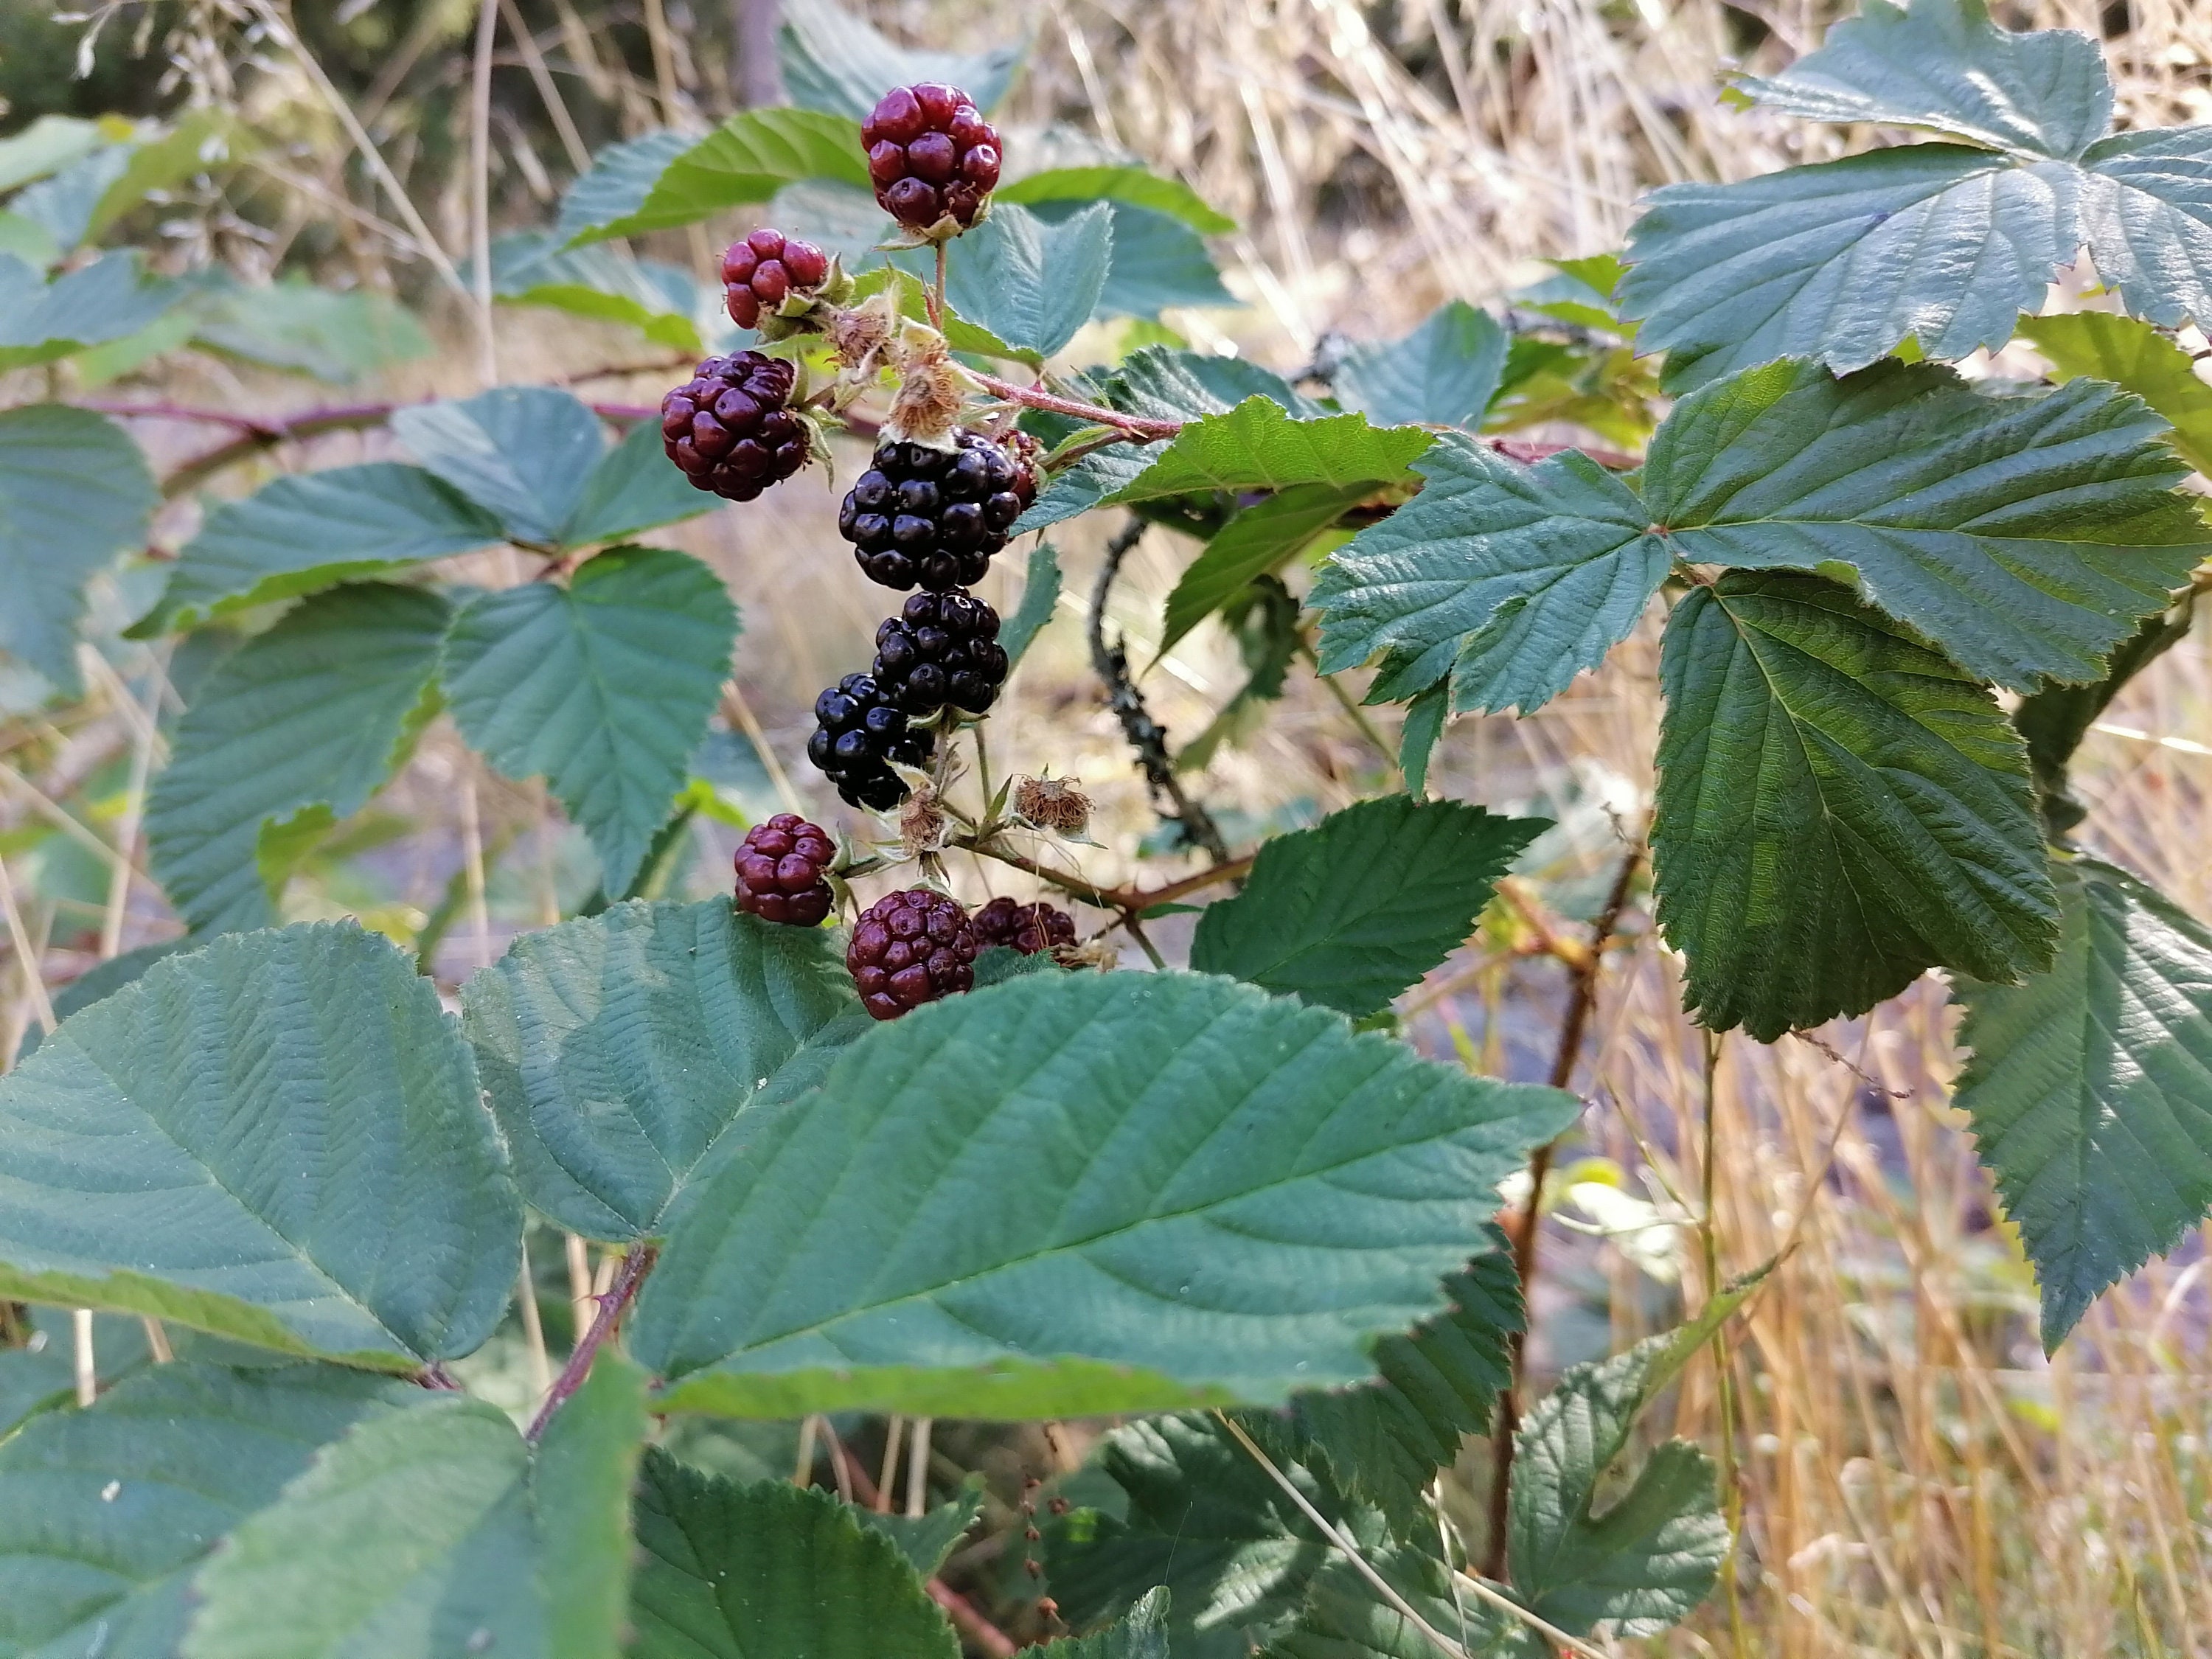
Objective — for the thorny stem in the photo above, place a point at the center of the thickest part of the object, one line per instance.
(1146, 735)
(1136, 899)
(1723, 1369)
(635, 1267)
(1141, 431)
(1582, 1001)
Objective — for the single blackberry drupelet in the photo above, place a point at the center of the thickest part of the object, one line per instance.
(860, 733)
(930, 155)
(941, 648)
(780, 866)
(909, 949)
(727, 429)
(922, 517)
(1028, 929)
(759, 273)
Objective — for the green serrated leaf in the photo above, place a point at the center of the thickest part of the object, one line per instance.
(2135, 358)
(1839, 809)
(328, 1183)
(438, 1532)
(75, 491)
(926, 1540)
(1159, 261)
(1581, 292)
(2053, 722)
(41, 1376)
(2026, 537)
(105, 300)
(1417, 737)
(1260, 539)
(1056, 1226)
(311, 530)
(1119, 183)
(1344, 1617)
(604, 688)
(1351, 912)
(523, 453)
(620, 176)
(1443, 374)
(1260, 444)
(1031, 283)
(532, 268)
(749, 157)
(617, 1050)
(105, 1514)
(335, 336)
(634, 487)
(2090, 1088)
(770, 1570)
(318, 709)
(1511, 579)
(834, 60)
(1039, 597)
(1141, 1634)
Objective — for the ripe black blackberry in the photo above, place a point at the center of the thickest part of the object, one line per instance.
(910, 948)
(860, 733)
(759, 273)
(941, 648)
(1028, 929)
(931, 156)
(779, 867)
(727, 427)
(922, 516)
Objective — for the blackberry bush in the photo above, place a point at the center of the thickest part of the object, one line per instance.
(930, 518)
(780, 866)
(931, 156)
(941, 648)
(910, 948)
(727, 427)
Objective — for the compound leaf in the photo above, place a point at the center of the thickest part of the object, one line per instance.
(1351, 912)
(75, 491)
(1030, 282)
(311, 530)
(602, 687)
(322, 1178)
(833, 60)
(1511, 579)
(1443, 374)
(2026, 537)
(2090, 1088)
(769, 1571)
(749, 157)
(1087, 1193)
(438, 1531)
(616, 1049)
(1839, 809)
(105, 1514)
(315, 712)
(2133, 356)
(523, 453)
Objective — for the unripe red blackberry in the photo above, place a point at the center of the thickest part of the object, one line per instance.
(780, 866)
(727, 427)
(1028, 929)
(923, 517)
(858, 733)
(941, 648)
(909, 949)
(761, 272)
(931, 156)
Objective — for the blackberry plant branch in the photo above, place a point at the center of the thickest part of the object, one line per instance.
(635, 1267)
(1136, 900)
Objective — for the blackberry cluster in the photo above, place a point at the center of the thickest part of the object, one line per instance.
(920, 517)
(727, 427)
(860, 733)
(930, 154)
(780, 869)
(910, 948)
(1028, 929)
(759, 273)
(941, 648)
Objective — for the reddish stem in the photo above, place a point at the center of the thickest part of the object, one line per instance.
(635, 1267)
(1143, 430)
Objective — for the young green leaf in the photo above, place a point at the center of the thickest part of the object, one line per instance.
(1417, 737)
(770, 1570)
(1443, 374)
(620, 176)
(1142, 1634)
(521, 452)
(1351, 912)
(2086, 1088)
(437, 1532)
(317, 711)
(1511, 579)
(1031, 283)
(75, 491)
(617, 1050)
(602, 687)
(106, 1514)
(1087, 1193)
(1260, 444)
(926, 1540)
(327, 1182)
(2097, 345)
(1257, 541)
(309, 530)
(749, 157)
(833, 60)
(634, 487)
(1039, 597)
(1119, 183)
(106, 300)
(1839, 809)
(2026, 537)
